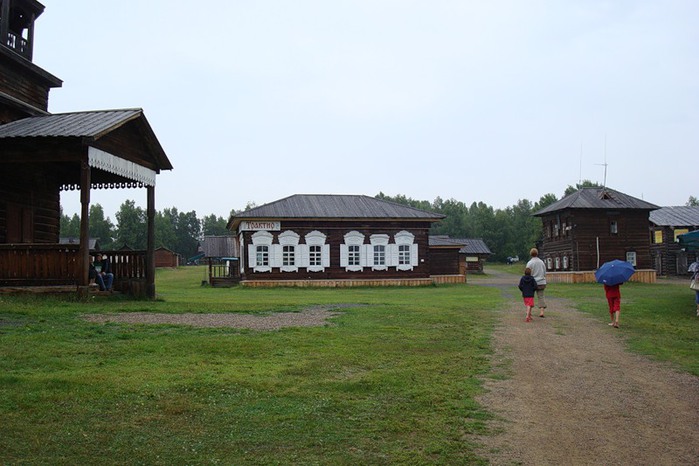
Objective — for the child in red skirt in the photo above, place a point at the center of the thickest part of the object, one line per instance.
(614, 299)
(527, 284)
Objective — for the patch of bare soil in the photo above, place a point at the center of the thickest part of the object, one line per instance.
(565, 391)
(311, 317)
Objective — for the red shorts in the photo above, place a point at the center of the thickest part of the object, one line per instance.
(614, 304)
(529, 302)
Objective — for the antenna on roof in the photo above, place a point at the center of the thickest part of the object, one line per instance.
(604, 185)
(580, 178)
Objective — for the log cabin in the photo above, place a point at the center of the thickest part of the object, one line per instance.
(333, 240)
(42, 154)
(666, 224)
(592, 226)
(449, 256)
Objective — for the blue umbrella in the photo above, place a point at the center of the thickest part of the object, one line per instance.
(614, 272)
(693, 267)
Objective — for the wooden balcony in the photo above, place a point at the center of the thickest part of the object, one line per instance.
(19, 45)
(46, 265)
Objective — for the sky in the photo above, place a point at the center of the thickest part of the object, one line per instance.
(479, 101)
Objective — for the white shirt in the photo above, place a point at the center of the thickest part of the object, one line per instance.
(538, 270)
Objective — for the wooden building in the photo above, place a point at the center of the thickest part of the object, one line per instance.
(42, 154)
(457, 255)
(666, 224)
(333, 240)
(165, 257)
(592, 226)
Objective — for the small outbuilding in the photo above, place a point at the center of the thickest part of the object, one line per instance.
(666, 225)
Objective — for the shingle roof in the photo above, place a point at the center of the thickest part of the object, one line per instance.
(336, 206)
(467, 245)
(77, 124)
(597, 198)
(678, 216)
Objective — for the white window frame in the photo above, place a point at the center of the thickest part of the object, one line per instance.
(315, 238)
(565, 262)
(631, 257)
(404, 238)
(353, 238)
(259, 239)
(378, 243)
(287, 239)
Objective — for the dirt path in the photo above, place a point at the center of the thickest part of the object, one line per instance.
(567, 392)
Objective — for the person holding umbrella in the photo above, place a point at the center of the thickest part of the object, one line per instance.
(694, 269)
(613, 274)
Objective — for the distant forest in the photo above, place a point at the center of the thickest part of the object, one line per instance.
(507, 232)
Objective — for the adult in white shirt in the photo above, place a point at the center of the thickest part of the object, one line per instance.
(539, 273)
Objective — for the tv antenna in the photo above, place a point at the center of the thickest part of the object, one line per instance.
(604, 185)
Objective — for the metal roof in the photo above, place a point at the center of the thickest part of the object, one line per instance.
(335, 206)
(678, 216)
(78, 124)
(597, 198)
(466, 245)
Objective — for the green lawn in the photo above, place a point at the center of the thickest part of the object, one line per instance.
(390, 381)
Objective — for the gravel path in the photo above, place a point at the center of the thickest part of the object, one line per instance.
(567, 392)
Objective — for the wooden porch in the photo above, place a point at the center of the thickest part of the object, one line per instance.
(58, 268)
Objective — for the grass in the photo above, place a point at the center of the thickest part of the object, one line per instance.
(390, 381)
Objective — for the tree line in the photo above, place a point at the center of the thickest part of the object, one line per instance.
(511, 231)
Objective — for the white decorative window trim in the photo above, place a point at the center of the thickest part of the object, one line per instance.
(260, 238)
(404, 238)
(315, 238)
(353, 238)
(379, 240)
(288, 239)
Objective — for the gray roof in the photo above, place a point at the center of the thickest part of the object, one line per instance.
(219, 246)
(335, 206)
(78, 124)
(467, 245)
(678, 216)
(597, 198)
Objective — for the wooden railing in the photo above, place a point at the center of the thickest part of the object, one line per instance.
(18, 44)
(59, 264)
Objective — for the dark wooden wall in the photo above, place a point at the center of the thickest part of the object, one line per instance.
(31, 197)
(579, 243)
(24, 81)
(335, 231)
(444, 261)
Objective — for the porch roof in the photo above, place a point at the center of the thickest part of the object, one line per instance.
(118, 141)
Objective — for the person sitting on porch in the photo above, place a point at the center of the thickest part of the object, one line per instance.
(103, 273)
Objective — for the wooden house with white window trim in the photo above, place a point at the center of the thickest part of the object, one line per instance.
(333, 240)
(592, 226)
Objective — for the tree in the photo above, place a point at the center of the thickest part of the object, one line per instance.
(131, 226)
(578, 186)
(101, 228)
(187, 233)
(212, 225)
(70, 226)
(692, 202)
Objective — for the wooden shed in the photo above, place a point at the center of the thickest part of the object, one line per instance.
(333, 240)
(44, 154)
(595, 225)
(164, 257)
(666, 224)
(460, 256)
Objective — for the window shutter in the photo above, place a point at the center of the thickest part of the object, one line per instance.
(275, 255)
(302, 255)
(343, 255)
(367, 251)
(252, 256)
(392, 255)
(325, 252)
(413, 255)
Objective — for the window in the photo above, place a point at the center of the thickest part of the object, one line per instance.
(288, 256)
(658, 236)
(353, 253)
(260, 252)
(379, 245)
(680, 231)
(613, 227)
(315, 256)
(549, 263)
(558, 263)
(353, 257)
(631, 257)
(262, 256)
(286, 253)
(404, 254)
(379, 255)
(565, 262)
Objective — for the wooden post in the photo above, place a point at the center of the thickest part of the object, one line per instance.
(150, 247)
(84, 256)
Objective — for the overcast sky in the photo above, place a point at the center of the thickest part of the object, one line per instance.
(491, 101)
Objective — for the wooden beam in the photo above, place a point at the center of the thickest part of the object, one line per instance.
(84, 255)
(150, 248)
